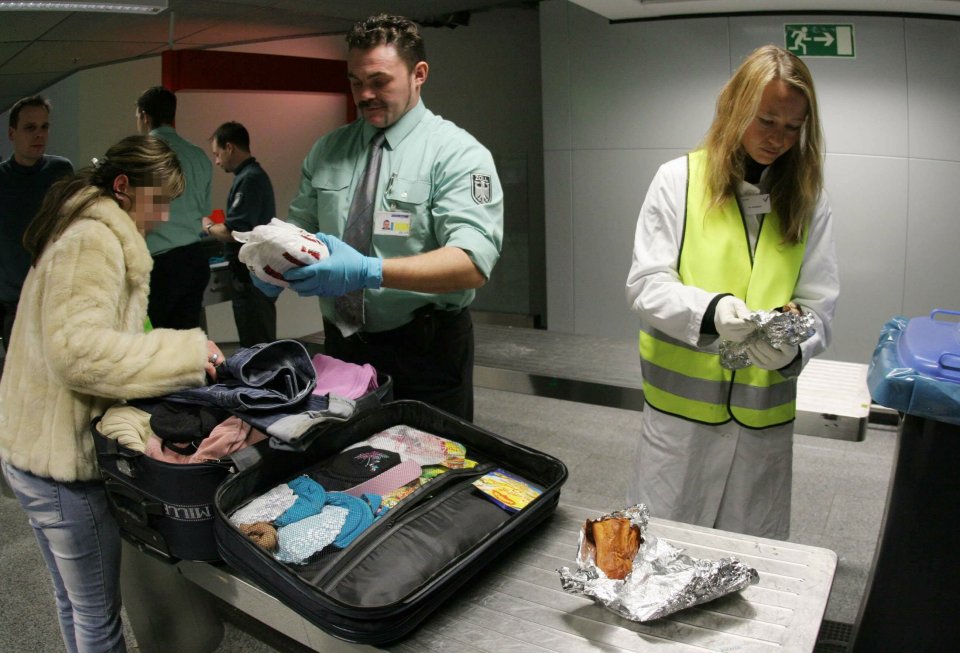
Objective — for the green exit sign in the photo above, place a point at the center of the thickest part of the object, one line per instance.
(819, 40)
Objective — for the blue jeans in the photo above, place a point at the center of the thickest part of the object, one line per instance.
(80, 542)
(268, 376)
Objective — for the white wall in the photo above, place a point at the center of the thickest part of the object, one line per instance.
(620, 99)
(486, 78)
(282, 128)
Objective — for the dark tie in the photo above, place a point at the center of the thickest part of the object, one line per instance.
(357, 233)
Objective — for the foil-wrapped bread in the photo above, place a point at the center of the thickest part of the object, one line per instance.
(786, 325)
(616, 541)
(651, 582)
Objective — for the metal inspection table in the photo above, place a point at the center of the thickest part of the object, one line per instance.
(518, 605)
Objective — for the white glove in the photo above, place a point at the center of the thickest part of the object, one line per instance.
(730, 318)
(767, 357)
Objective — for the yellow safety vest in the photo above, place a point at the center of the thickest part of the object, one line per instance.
(715, 255)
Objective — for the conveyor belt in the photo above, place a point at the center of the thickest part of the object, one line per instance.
(587, 369)
(832, 396)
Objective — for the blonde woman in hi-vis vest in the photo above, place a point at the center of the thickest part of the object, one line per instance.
(741, 224)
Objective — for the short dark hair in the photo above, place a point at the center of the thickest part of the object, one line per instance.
(383, 29)
(30, 101)
(232, 132)
(160, 105)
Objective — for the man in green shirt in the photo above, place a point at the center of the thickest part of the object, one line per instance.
(437, 224)
(181, 266)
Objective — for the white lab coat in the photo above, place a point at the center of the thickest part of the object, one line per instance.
(723, 476)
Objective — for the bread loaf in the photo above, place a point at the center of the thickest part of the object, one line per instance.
(616, 541)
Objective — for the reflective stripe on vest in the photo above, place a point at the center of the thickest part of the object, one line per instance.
(715, 255)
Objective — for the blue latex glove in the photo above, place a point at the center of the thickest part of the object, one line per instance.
(267, 289)
(343, 271)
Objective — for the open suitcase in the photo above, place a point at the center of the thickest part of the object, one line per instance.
(166, 509)
(379, 587)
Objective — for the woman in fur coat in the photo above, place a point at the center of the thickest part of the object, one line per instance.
(80, 342)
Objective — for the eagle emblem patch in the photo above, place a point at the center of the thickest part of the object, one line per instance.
(480, 188)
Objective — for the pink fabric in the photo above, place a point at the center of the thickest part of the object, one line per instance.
(343, 379)
(385, 483)
(228, 436)
(419, 446)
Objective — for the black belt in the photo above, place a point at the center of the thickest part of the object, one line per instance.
(422, 317)
(199, 245)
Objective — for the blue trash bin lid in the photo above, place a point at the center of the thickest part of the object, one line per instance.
(932, 347)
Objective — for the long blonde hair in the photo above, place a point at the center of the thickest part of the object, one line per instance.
(797, 175)
(145, 160)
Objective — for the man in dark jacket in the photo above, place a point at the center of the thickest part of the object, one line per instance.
(250, 202)
(24, 180)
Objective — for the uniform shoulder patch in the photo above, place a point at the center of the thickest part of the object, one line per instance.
(480, 187)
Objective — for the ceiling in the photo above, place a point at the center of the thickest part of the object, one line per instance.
(652, 9)
(39, 48)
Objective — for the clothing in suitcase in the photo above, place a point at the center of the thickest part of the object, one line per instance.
(377, 585)
(166, 508)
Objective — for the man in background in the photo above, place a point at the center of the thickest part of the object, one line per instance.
(24, 180)
(181, 266)
(250, 202)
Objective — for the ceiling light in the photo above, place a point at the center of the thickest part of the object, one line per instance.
(125, 7)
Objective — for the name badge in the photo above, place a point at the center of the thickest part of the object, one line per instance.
(391, 223)
(754, 204)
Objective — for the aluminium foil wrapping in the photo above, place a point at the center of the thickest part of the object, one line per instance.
(664, 580)
(775, 328)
